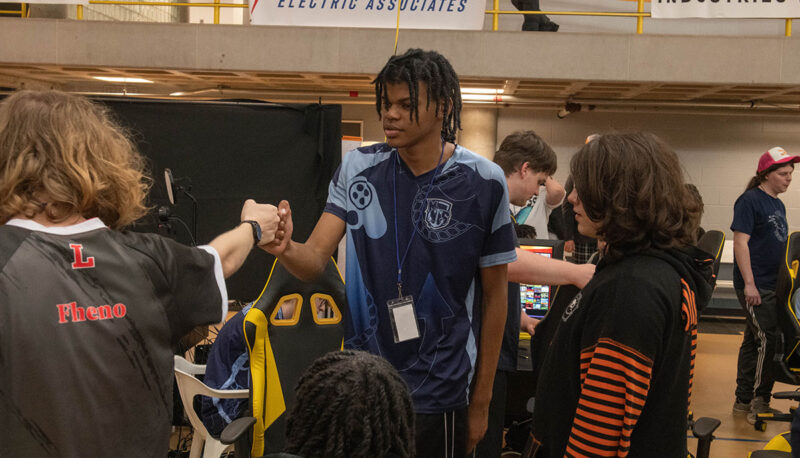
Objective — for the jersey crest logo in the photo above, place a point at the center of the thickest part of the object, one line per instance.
(433, 219)
(571, 308)
(78, 260)
(438, 213)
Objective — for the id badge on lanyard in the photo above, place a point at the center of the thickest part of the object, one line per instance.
(403, 318)
(401, 310)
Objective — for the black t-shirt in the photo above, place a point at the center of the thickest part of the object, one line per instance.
(89, 320)
(617, 377)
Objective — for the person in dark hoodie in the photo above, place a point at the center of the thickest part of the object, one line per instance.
(617, 378)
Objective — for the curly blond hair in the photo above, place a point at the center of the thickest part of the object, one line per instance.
(63, 155)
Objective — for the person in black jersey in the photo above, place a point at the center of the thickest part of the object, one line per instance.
(90, 312)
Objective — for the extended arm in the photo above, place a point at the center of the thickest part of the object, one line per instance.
(234, 246)
(536, 269)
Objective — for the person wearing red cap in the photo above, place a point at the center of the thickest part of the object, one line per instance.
(760, 231)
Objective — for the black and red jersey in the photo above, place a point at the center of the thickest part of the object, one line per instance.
(89, 318)
(616, 379)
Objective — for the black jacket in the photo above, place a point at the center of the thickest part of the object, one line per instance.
(617, 376)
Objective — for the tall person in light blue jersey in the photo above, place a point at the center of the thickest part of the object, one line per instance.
(429, 236)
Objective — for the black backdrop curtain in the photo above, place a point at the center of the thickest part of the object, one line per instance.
(230, 151)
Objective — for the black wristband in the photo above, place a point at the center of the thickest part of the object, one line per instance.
(256, 230)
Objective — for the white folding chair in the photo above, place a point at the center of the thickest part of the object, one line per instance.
(203, 444)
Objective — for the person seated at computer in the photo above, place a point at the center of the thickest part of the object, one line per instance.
(350, 404)
(90, 311)
(228, 365)
(617, 377)
(227, 368)
(527, 162)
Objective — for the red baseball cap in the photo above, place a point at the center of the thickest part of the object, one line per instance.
(774, 156)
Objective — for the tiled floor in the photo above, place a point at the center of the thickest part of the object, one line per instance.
(714, 385)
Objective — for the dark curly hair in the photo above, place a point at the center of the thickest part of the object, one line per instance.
(351, 404)
(632, 184)
(433, 69)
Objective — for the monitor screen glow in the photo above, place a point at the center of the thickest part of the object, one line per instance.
(535, 299)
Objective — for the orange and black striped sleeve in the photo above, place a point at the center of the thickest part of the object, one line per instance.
(615, 380)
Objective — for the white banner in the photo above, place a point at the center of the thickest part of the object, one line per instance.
(725, 8)
(414, 14)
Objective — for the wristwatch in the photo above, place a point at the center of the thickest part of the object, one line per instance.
(256, 230)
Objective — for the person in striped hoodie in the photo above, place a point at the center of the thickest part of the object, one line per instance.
(617, 377)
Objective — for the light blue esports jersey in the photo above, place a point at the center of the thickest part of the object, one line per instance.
(464, 225)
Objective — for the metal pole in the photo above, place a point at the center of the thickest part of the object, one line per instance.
(788, 27)
(216, 12)
(640, 19)
(80, 12)
(495, 16)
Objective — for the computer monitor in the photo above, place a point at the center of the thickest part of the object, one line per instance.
(535, 299)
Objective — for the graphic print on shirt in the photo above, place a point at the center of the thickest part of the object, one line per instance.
(778, 225)
(571, 308)
(438, 214)
(367, 211)
(79, 262)
(438, 223)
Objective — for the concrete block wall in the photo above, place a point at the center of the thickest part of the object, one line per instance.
(719, 152)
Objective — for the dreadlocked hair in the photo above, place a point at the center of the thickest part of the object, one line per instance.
(433, 69)
(351, 404)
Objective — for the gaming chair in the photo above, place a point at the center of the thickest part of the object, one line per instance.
(291, 324)
(786, 362)
(712, 242)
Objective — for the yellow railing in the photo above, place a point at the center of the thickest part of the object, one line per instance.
(21, 12)
(640, 13)
(216, 5)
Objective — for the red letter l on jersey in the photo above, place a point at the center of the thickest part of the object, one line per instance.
(81, 263)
